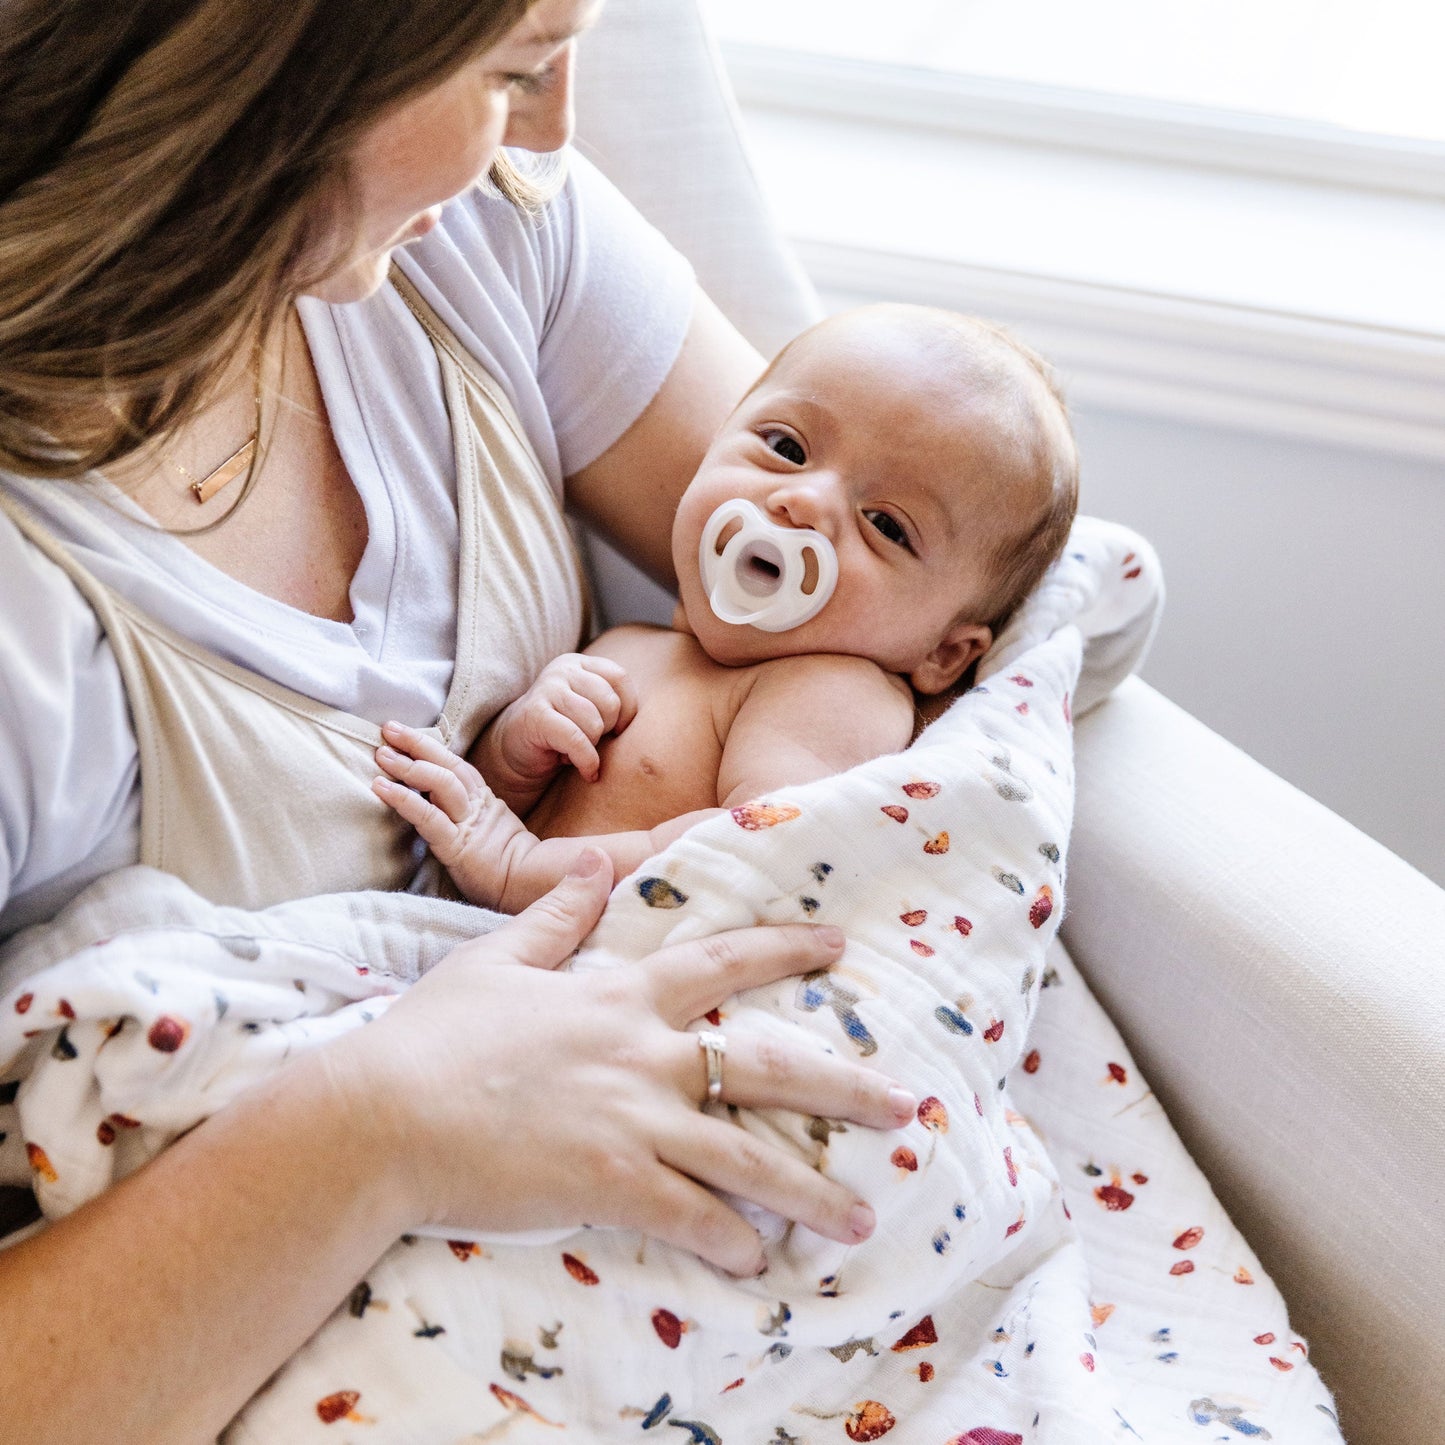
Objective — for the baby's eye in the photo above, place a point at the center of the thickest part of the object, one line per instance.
(787, 447)
(890, 527)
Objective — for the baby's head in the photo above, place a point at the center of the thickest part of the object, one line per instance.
(931, 450)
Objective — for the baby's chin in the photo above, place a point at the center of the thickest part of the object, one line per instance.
(727, 645)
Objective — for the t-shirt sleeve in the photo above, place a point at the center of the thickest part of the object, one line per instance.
(620, 305)
(581, 310)
(68, 761)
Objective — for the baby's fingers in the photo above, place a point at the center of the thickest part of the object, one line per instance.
(446, 789)
(568, 740)
(618, 703)
(432, 825)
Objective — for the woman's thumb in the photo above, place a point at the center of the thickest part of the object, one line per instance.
(549, 930)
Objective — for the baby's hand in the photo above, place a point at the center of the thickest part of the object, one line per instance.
(475, 836)
(575, 702)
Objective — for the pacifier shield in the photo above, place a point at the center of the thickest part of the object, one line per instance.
(757, 573)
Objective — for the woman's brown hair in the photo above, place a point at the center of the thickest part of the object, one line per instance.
(173, 171)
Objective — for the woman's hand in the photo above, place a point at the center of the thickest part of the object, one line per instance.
(511, 1095)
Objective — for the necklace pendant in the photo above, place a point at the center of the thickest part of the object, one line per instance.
(224, 474)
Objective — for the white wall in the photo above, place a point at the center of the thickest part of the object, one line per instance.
(1306, 607)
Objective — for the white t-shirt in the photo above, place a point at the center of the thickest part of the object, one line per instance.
(579, 315)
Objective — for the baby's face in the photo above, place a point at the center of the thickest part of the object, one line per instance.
(856, 436)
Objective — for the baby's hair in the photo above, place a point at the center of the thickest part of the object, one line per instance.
(1022, 559)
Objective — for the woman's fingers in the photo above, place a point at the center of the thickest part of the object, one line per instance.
(679, 1211)
(759, 1072)
(688, 979)
(548, 931)
(731, 1159)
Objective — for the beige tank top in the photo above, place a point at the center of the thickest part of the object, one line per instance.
(254, 794)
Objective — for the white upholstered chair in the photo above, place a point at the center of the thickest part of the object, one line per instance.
(1279, 977)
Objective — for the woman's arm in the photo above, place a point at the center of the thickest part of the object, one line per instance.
(631, 491)
(153, 1313)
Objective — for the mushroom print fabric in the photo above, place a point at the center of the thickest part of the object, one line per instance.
(986, 1308)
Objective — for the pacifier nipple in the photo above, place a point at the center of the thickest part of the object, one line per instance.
(758, 574)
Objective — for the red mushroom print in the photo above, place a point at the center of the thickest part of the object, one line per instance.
(1031, 1062)
(464, 1249)
(922, 790)
(904, 1158)
(962, 926)
(1185, 1266)
(932, 1114)
(40, 1163)
(1189, 1238)
(1013, 1173)
(925, 1371)
(579, 1271)
(1280, 1364)
(1243, 1276)
(105, 1132)
(994, 1032)
(167, 1034)
(341, 1406)
(1100, 1314)
(670, 1329)
(1265, 1339)
(754, 816)
(1118, 1074)
(1113, 1196)
(920, 948)
(1014, 1228)
(1087, 1361)
(913, 917)
(937, 844)
(510, 1400)
(22, 1004)
(1140, 1179)
(898, 814)
(921, 1335)
(987, 1435)
(65, 1009)
(868, 1420)
(124, 1121)
(1042, 906)
(1020, 680)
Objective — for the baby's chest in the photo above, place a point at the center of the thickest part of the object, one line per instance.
(666, 761)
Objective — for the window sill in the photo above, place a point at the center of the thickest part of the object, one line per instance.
(1270, 284)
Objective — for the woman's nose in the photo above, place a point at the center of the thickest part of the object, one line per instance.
(542, 119)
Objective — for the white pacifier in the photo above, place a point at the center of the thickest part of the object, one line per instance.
(758, 574)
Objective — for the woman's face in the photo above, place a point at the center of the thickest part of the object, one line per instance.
(431, 148)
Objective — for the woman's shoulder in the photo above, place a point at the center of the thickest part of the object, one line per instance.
(67, 753)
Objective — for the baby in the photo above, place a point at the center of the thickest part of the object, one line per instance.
(910, 475)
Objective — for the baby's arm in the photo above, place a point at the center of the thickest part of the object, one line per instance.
(479, 840)
(576, 700)
(810, 717)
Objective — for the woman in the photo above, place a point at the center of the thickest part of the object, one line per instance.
(199, 196)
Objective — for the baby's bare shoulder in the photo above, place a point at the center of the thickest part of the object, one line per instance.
(849, 696)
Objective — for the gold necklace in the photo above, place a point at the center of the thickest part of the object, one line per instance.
(239, 462)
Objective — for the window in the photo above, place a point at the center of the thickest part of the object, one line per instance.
(1324, 63)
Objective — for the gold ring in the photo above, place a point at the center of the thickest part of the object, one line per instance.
(714, 1045)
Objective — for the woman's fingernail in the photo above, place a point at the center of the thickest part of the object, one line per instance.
(903, 1104)
(829, 936)
(389, 755)
(589, 860)
(762, 1266)
(861, 1221)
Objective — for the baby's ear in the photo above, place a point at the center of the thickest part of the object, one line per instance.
(962, 646)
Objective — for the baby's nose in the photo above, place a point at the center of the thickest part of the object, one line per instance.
(801, 504)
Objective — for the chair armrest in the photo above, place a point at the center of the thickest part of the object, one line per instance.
(1278, 976)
